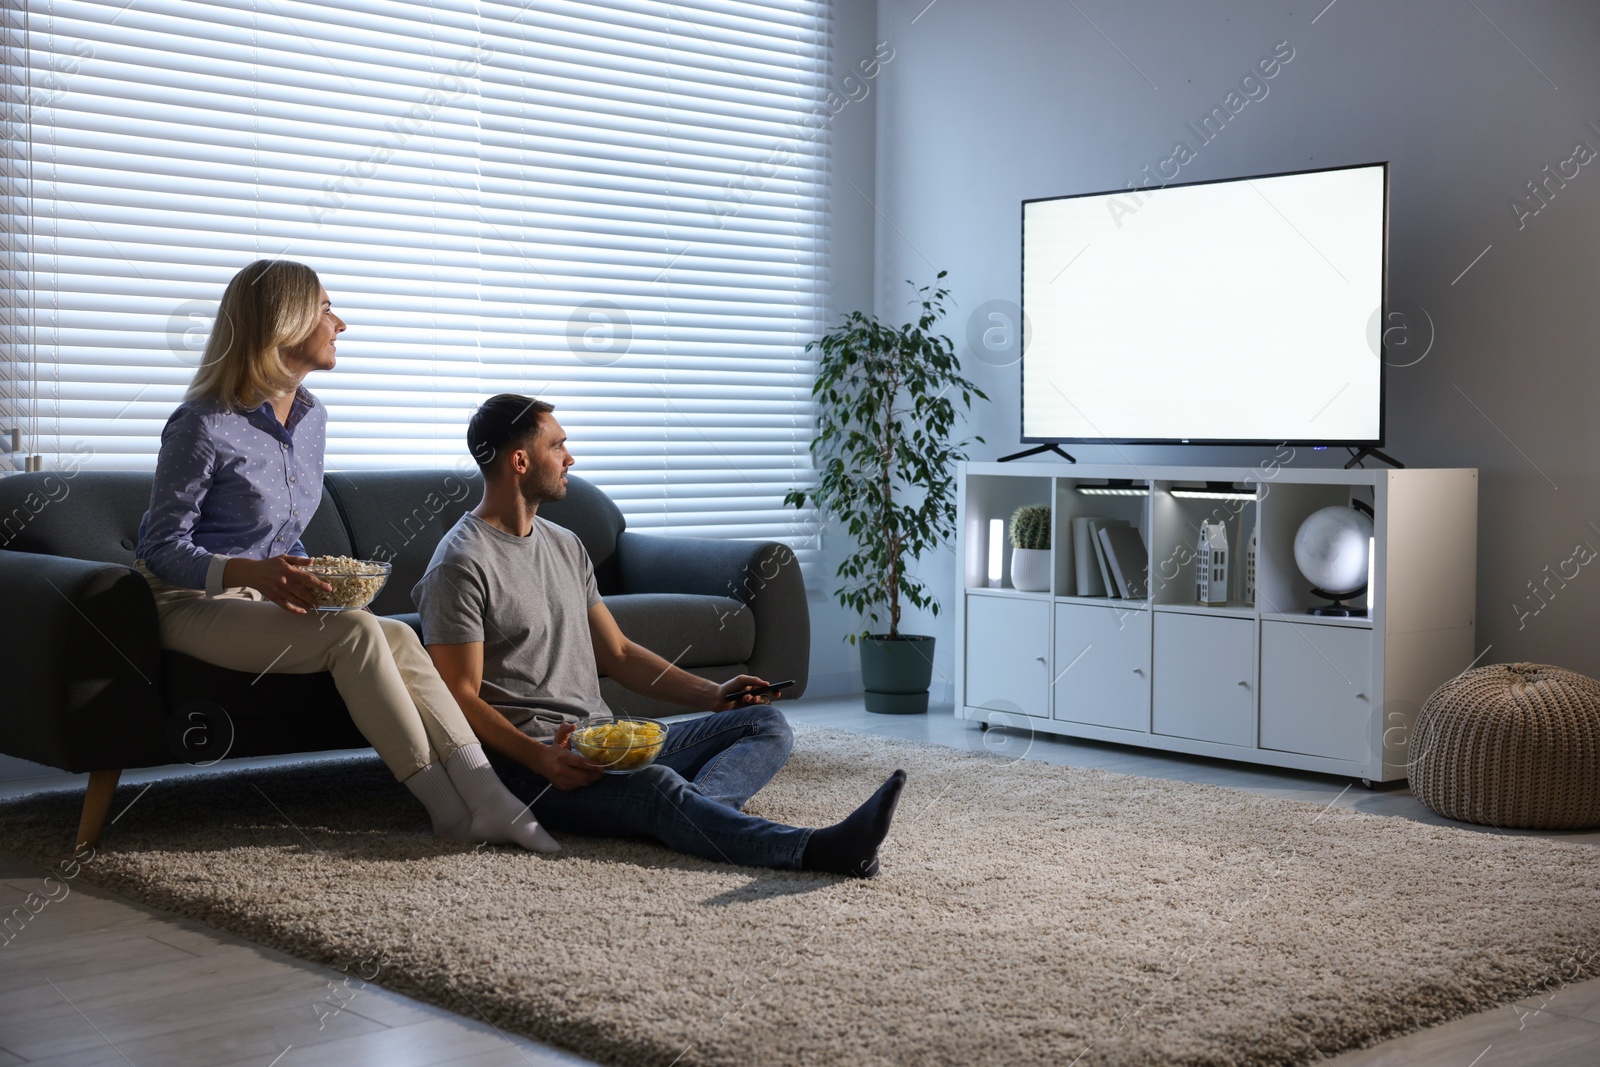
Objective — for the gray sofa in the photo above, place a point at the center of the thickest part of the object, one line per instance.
(90, 689)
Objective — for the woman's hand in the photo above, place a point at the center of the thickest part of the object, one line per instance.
(280, 579)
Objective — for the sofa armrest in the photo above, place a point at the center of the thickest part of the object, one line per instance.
(82, 659)
(764, 576)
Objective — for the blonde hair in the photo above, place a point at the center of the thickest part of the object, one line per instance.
(271, 305)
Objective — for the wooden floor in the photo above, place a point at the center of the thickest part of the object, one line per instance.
(95, 979)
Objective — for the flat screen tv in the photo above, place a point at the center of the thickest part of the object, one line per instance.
(1244, 311)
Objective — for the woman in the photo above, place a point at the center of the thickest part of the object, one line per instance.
(238, 478)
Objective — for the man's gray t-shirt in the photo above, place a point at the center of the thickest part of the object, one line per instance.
(527, 599)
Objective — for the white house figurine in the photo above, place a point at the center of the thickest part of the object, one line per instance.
(1211, 565)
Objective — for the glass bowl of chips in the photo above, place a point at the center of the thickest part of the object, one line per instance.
(622, 745)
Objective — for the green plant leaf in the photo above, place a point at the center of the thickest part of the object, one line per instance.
(886, 412)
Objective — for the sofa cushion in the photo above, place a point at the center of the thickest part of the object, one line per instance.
(689, 630)
(624, 701)
(325, 534)
(412, 619)
(95, 515)
(91, 515)
(700, 631)
(399, 516)
(718, 631)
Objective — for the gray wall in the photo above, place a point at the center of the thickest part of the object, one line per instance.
(854, 135)
(988, 103)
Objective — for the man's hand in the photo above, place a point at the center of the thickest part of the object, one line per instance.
(643, 671)
(461, 667)
(731, 694)
(564, 768)
(280, 579)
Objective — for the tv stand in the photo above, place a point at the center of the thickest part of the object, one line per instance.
(1256, 678)
(1034, 451)
(1375, 453)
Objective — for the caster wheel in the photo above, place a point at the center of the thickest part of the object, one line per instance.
(983, 727)
(1367, 782)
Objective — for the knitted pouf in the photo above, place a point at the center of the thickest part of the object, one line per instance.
(1511, 744)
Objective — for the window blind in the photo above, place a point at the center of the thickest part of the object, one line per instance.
(16, 392)
(620, 209)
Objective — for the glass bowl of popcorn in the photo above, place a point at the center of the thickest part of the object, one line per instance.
(621, 745)
(355, 581)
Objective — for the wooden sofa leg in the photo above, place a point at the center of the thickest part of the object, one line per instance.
(96, 805)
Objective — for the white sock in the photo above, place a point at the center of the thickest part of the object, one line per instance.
(497, 816)
(432, 786)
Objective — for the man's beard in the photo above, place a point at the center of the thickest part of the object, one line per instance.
(547, 493)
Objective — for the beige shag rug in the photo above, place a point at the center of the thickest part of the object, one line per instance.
(1026, 913)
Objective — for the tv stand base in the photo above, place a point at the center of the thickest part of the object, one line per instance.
(1355, 460)
(1034, 451)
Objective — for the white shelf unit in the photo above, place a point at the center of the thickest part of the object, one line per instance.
(1261, 682)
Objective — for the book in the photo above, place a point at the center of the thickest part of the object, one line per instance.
(1106, 577)
(1128, 559)
(1085, 569)
(1092, 572)
(1063, 546)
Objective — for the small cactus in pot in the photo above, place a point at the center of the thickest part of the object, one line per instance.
(1030, 526)
(1030, 544)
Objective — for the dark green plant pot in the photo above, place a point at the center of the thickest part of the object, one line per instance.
(895, 674)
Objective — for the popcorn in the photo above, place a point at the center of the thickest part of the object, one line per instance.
(355, 582)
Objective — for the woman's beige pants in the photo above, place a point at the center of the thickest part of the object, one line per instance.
(395, 696)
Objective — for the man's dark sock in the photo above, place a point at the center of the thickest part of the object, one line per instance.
(851, 847)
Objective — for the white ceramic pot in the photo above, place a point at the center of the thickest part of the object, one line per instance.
(1030, 569)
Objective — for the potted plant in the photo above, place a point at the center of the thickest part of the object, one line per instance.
(886, 458)
(1030, 548)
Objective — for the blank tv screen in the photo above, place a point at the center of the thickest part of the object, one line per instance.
(1237, 311)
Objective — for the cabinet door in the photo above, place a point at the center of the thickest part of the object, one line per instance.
(1204, 678)
(1316, 690)
(1008, 645)
(1102, 666)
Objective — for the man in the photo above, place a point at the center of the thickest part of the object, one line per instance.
(517, 629)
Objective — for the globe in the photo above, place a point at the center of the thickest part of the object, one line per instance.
(1331, 549)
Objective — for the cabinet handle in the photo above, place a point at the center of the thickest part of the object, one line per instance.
(1039, 658)
(1138, 670)
(1244, 685)
(1361, 696)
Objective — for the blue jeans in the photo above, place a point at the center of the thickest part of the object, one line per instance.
(689, 798)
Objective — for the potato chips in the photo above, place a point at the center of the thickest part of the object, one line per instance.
(621, 745)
